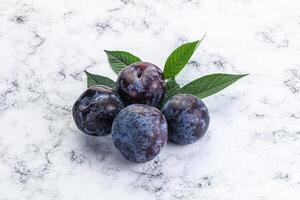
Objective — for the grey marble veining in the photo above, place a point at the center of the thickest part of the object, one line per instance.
(251, 150)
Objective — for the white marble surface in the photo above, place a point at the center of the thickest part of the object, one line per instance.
(252, 148)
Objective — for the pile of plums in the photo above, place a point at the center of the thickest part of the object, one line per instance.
(131, 113)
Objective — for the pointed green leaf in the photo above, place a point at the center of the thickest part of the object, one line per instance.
(93, 79)
(179, 58)
(172, 88)
(118, 60)
(210, 84)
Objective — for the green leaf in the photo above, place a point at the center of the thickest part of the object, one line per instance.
(93, 79)
(179, 58)
(118, 60)
(210, 84)
(172, 88)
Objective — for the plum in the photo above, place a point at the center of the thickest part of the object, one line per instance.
(95, 110)
(141, 83)
(187, 118)
(139, 132)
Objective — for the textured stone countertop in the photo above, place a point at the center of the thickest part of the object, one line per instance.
(251, 150)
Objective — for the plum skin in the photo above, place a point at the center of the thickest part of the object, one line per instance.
(140, 132)
(141, 83)
(95, 110)
(188, 118)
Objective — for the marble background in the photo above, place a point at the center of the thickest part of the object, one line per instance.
(252, 148)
